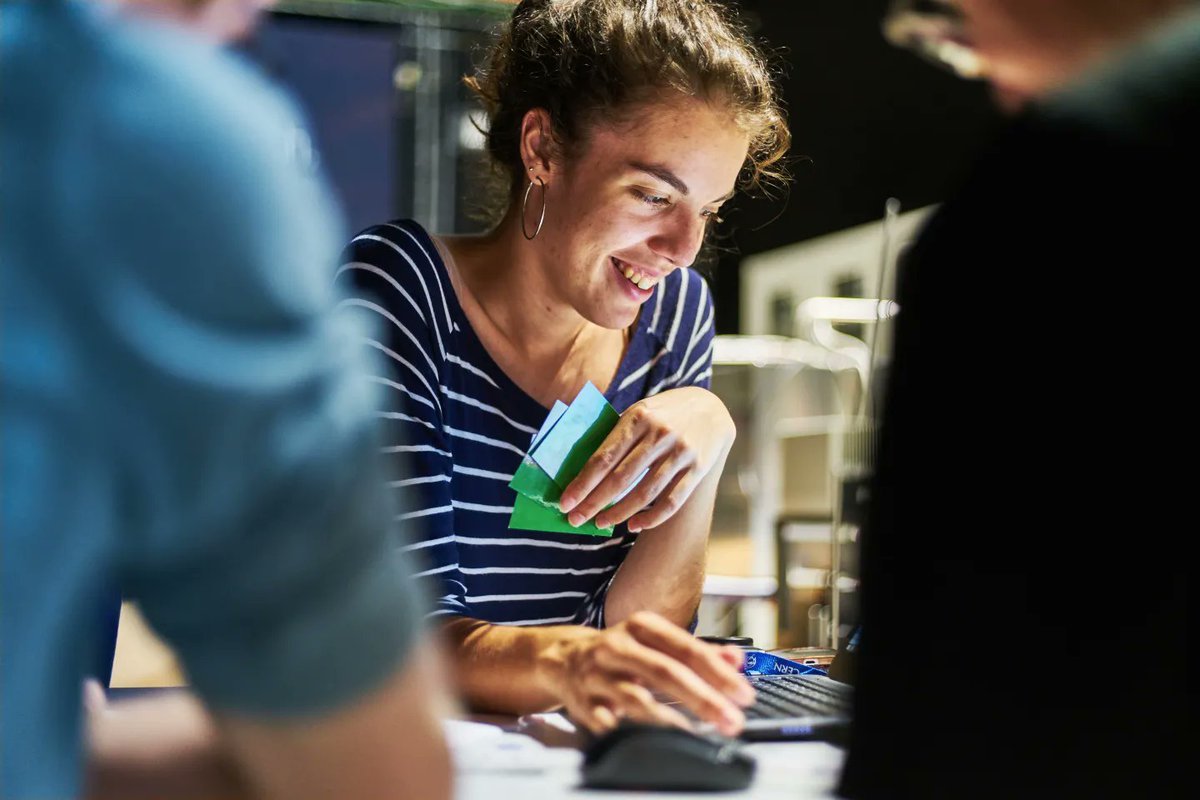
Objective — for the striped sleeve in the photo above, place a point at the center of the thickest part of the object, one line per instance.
(690, 339)
(696, 367)
(389, 278)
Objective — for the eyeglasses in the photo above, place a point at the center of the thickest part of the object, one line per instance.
(936, 31)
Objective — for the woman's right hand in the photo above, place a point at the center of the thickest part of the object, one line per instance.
(616, 672)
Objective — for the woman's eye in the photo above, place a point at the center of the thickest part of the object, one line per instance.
(652, 199)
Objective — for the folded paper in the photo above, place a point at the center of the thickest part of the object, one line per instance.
(556, 455)
(577, 433)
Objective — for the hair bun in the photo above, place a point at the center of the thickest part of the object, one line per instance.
(583, 59)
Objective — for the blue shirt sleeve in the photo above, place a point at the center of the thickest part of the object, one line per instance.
(684, 324)
(694, 354)
(256, 523)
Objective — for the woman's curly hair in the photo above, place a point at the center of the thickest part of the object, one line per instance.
(582, 59)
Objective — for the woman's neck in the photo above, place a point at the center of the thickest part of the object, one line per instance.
(500, 274)
(539, 339)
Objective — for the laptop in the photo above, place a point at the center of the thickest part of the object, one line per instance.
(803, 705)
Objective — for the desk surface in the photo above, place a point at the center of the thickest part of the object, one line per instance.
(495, 760)
(538, 758)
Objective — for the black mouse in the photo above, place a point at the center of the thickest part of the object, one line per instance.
(640, 756)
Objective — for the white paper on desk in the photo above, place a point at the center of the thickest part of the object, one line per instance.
(481, 747)
(796, 770)
(463, 733)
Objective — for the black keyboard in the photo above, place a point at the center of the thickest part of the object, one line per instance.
(785, 696)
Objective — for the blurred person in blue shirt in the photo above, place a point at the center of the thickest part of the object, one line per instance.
(217, 20)
(221, 22)
(183, 417)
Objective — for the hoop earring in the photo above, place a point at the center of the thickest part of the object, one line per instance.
(525, 203)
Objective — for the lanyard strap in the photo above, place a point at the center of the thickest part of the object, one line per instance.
(759, 662)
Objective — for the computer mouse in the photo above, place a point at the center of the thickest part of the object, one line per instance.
(641, 756)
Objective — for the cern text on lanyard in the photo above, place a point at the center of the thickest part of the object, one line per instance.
(758, 662)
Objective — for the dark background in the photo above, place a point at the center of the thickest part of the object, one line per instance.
(868, 122)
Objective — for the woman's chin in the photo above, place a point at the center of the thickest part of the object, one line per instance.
(614, 316)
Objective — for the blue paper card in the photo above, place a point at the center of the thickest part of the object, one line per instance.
(555, 415)
(562, 452)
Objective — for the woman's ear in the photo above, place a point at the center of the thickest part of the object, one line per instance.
(539, 151)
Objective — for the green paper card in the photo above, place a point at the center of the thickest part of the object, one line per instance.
(565, 442)
(530, 515)
(529, 481)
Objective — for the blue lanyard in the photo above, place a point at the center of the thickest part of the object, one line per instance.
(759, 662)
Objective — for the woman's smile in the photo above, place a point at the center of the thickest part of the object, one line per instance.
(634, 282)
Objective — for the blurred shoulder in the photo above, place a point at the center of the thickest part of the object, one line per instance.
(205, 166)
(1145, 97)
(179, 96)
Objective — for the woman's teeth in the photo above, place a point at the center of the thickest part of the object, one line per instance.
(643, 282)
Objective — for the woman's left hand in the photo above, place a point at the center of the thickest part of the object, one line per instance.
(679, 435)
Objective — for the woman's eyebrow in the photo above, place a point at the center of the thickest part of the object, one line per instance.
(663, 174)
(666, 176)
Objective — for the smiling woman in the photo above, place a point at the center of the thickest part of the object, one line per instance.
(619, 128)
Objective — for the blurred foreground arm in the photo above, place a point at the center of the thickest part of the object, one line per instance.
(388, 744)
(158, 746)
(262, 546)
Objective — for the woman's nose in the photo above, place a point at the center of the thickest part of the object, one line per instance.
(680, 238)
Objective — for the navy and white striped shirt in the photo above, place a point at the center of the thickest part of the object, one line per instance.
(456, 427)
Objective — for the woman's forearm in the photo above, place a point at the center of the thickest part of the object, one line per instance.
(506, 669)
(664, 572)
(520, 670)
